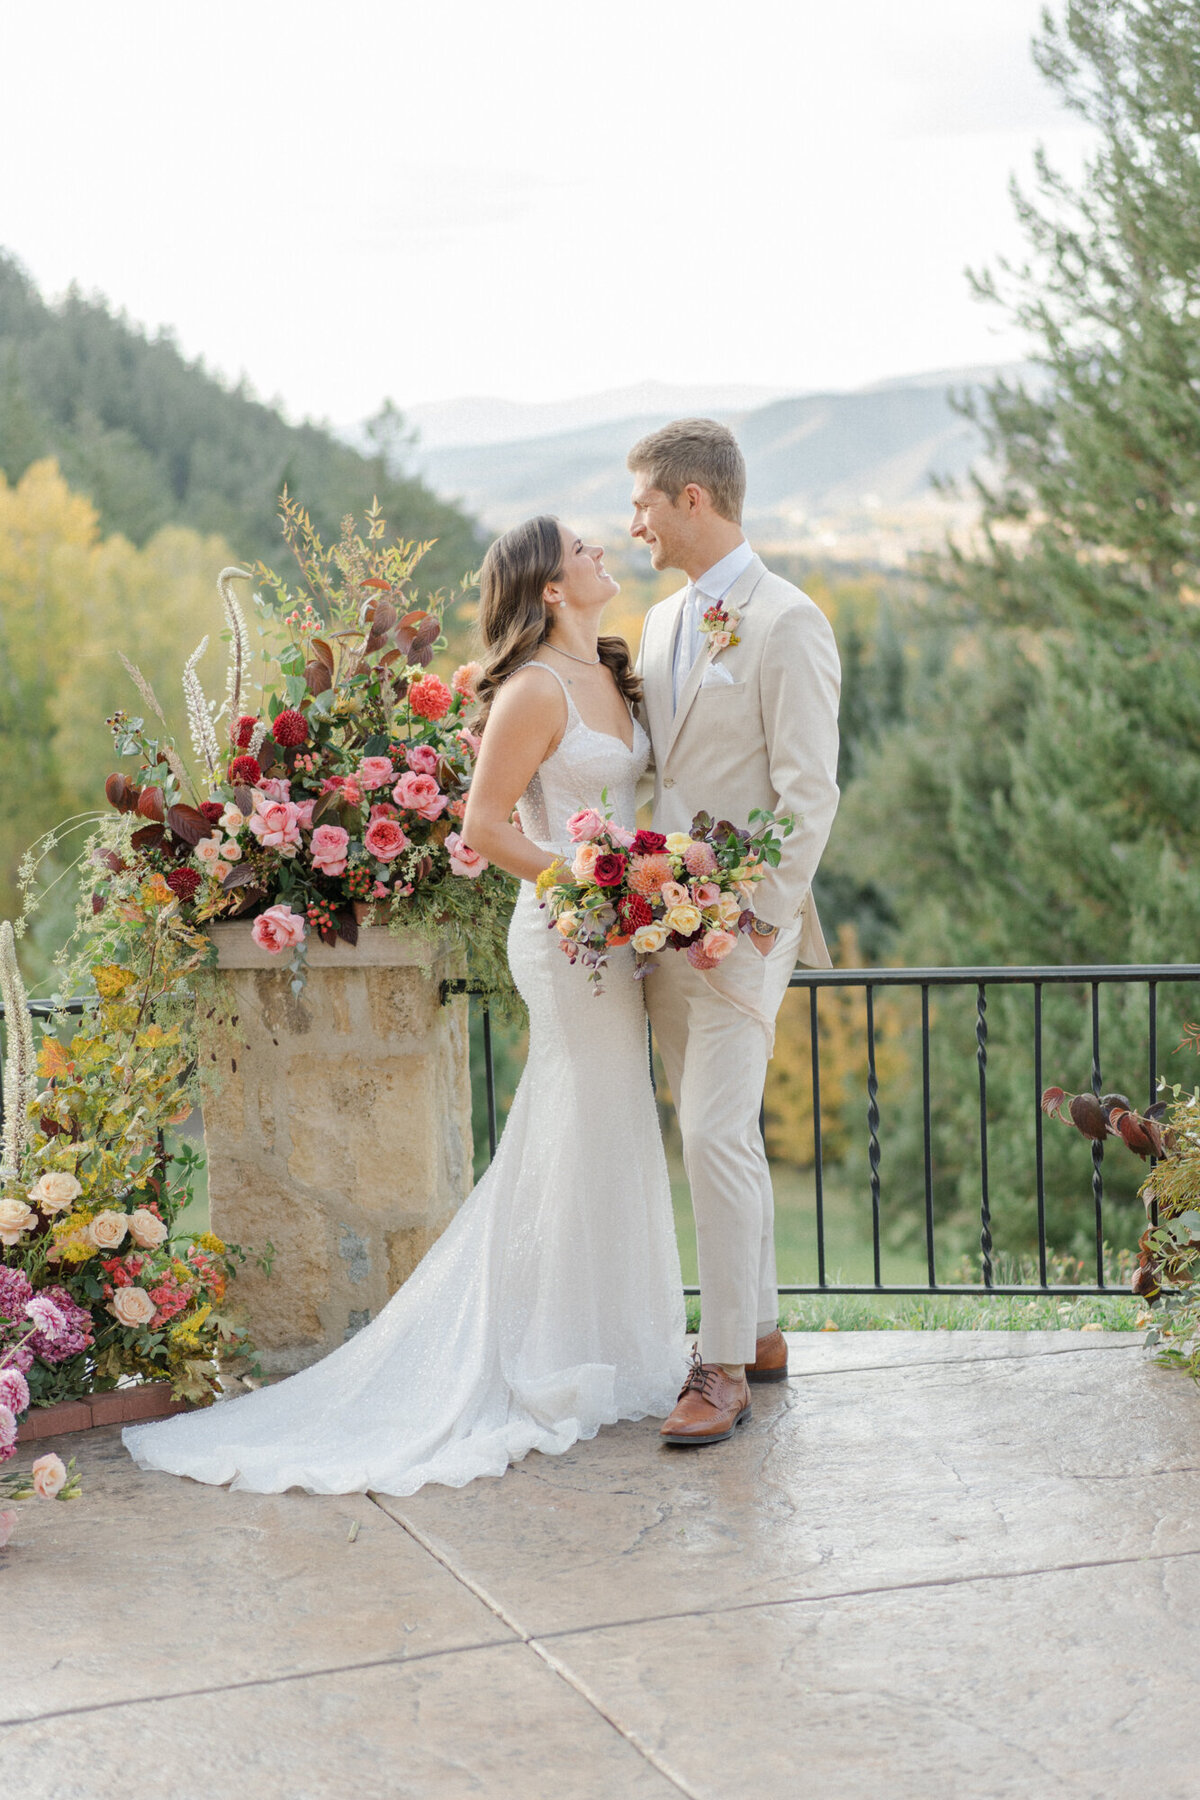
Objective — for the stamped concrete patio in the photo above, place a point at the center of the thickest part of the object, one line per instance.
(935, 1564)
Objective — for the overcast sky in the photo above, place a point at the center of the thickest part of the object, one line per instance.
(535, 200)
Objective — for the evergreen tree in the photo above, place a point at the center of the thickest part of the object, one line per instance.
(1045, 805)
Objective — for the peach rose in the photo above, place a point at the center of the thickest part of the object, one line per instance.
(15, 1218)
(585, 862)
(278, 929)
(54, 1191)
(465, 681)
(49, 1476)
(132, 1306)
(464, 860)
(718, 944)
(648, 938)
(674, 894)
(107, 1229)
(146, 1228)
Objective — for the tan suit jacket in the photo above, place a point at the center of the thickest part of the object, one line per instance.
(764, 734)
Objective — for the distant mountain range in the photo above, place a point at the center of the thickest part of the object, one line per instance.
(811, 458)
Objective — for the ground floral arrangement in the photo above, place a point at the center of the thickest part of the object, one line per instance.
(688, 891)
(1168, 1267)
(330, 791)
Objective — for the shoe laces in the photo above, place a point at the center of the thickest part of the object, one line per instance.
(700, 1376)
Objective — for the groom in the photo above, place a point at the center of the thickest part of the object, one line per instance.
(752, 724)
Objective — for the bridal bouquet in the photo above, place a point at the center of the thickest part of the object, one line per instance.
(688, 891)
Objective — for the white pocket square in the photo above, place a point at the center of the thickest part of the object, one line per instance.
(716, 675)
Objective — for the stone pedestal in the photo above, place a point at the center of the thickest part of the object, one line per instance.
(343, 1135)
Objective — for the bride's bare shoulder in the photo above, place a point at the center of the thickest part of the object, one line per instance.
(531, 701)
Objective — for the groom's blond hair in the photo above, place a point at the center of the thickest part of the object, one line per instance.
(694, 450)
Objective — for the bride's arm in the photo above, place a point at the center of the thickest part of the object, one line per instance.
(527, 719)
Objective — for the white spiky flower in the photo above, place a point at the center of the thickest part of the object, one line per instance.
(20, 1056)
(204, 738)
(257, 737)
(239, 640)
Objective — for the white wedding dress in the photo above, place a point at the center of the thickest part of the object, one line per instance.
(552, 1303)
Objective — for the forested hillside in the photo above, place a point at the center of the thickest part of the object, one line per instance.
(154, 440)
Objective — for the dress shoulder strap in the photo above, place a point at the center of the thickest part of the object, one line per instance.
(572, 710)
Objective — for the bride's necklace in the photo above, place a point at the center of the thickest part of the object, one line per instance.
(589, 662)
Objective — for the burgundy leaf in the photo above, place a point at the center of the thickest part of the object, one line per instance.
(317, 677)
(1087, 1115)
(188, 823)
(148, 837)
(243, 799)
(1052, 1099)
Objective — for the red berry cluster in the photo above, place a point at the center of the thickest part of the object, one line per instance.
(245, 768)
(359, 882)
(290, 728)
(243, 731)
(634, 910)
(183, 882)
(319, 914)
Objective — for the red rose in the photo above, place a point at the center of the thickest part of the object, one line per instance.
(245, 769)
(609, 870)
(648, 843)
(243, 731)
(290, 728)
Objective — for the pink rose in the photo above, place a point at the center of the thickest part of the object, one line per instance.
(328, 847)
(585, 826)
(470, 740)
(674, 894)
(278, 929)
(706, 893)
(380, 891)
(382, 809)
(375, 772)
(276, 825)
(8, 1524)
(304, 813)
(619, 835)
(718, 944)
(384, 839)
(421, 794)
(49, 1476)
(421, 759)
(464, 860)
(276, 790)
(352, 792)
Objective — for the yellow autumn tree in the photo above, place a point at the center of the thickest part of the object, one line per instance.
(70, 601)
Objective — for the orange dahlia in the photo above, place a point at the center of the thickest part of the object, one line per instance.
(647, 873)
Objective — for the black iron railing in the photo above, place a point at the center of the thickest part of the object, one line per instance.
(1090, 978)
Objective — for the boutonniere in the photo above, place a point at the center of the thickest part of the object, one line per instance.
(719, 626)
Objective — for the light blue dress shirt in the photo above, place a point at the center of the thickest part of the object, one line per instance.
(714, 584)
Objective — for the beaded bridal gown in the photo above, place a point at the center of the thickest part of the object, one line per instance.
(551, 1305)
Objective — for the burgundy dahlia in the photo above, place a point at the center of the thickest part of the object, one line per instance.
(212, 810)
(245, 768)
(183, 883)
(290, 728)
(243, 731)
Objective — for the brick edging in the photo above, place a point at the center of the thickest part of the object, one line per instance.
(120, 1406)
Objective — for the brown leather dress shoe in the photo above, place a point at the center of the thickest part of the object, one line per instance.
(770, 1359)
(710, 1406)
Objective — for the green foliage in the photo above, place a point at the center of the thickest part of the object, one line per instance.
(154, 440)
(1041, 802)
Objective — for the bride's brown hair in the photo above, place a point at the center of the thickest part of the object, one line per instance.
(514, 620)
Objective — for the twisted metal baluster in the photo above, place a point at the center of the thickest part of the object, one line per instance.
(1097, 1149)
(985, 1211)
(873, 1130)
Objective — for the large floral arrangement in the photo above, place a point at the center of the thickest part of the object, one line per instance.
(334, 789)
(100, 1278)
(688, 891)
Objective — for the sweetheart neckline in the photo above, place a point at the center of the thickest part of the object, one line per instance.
(581, 724)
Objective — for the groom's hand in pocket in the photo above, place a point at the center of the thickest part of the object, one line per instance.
(764, 945)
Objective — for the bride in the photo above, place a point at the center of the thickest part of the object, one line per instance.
(552, 1303)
